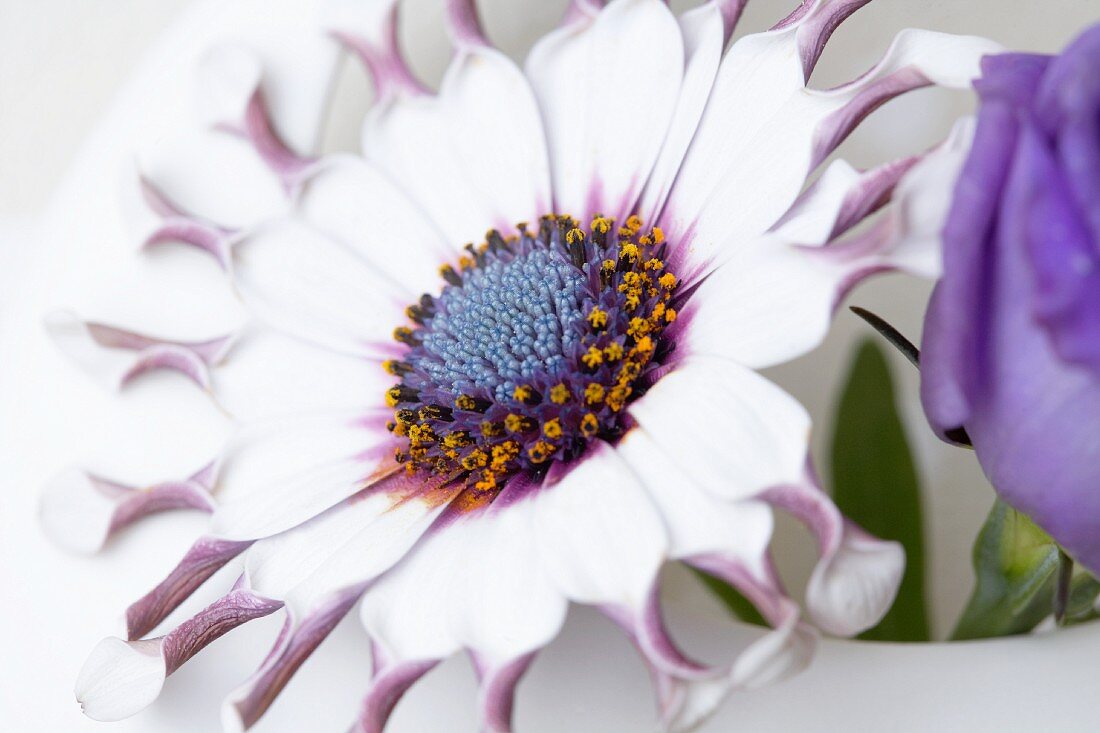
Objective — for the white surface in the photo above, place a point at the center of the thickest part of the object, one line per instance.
(60, 61)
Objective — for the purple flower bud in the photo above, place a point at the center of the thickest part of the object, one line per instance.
(1012, 336)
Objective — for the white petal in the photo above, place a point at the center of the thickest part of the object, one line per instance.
(601, 537)
(510, 605)
(369, 552)
(270, 374)
(115, 356)
(703, 29)
(772, 299)
(474, 156)
(763, 131)
(312, 288)
(355, 204)
(76, 513)
(120, 678)
(854, 590)
(280, 473)
(607, 89)
(728, 429)
(475, 582)
(857, 578)
(698, 522)
(81, 511)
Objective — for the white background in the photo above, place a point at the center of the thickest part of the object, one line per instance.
(61, 61)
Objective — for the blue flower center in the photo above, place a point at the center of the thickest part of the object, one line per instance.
(533, 349)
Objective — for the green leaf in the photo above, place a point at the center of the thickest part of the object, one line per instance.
(1015, 566)
(1083, 592)
(875, 484)
(737, 604)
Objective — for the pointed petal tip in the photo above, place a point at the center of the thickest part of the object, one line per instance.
(120, 678)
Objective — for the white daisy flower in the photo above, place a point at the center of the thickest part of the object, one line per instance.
(477, 421)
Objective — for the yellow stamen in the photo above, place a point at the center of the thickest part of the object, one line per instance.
(593, 393)
(589, 425)
(593, 357)
(552, 429)
(597, 317)
(540, 451)
(559, 394)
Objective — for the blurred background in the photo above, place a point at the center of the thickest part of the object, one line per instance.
(62, 62)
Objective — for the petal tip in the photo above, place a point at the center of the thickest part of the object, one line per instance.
(74, 513)
(120, 678)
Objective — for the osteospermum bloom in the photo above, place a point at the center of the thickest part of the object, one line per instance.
(518, 342)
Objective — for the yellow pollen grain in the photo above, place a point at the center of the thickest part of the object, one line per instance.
(476, 459)
(540, 451)
(552, 429)
(608, 265)
(402, 334)
(670, 315)
(574, 236)
(465, 402)
(393, 396)
(632, 302)
(593, 357)
(629, 251)
(522, 393)
(645, 345)
(658, 235)
(559, 394)
(589, 425)
(628, 373)
(515, 423)
(634, 222)
(490, 429)
(488, 481)
(503, 454)
(613, 351)
(616, 398)
(601, 224)
(667, 281)
(466, 262)
(593, 393)
(597, 317)
(654, 264)
(457, 439)
(638, 327)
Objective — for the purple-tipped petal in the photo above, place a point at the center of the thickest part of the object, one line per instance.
(81, 511)
(232, 79)
(818, 20)
(116, 356)
(857, 577)
(369, 31)
(386, 688)
(122, 677)
(206, 557)
(295, 644)
(497, 690)
(179, 226)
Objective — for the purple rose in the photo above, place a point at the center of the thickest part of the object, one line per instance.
(1011, 346)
